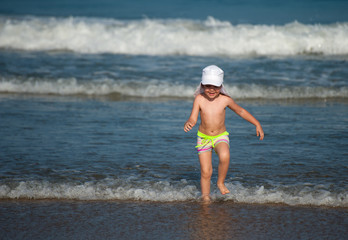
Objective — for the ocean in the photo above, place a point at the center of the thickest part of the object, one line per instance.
(94, 96)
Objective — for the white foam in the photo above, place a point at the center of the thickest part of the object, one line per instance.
(167, 37)
(159, 191)
(290, 195)
(155, 88)
(165, 191)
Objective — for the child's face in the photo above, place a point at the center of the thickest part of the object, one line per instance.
(211, 91)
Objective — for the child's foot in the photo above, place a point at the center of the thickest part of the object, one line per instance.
(223, 189)
(206, 198)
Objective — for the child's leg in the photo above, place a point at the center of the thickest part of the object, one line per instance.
(223, 151)
(206, 172)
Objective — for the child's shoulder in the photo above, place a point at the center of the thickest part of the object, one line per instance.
(226, 100)
(225, 97)
(199, 97)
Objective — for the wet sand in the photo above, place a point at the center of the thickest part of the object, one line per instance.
(180, 220)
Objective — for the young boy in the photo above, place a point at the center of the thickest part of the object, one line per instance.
(211, 101)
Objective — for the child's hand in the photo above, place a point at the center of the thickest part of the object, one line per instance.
(188, 126)
(259, 132)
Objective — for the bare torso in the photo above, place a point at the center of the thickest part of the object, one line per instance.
(213, 115)
(213, 111)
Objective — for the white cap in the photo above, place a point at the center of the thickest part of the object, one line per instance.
(212, 75)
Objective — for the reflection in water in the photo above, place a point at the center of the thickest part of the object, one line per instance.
(220, 221)
(212, 221)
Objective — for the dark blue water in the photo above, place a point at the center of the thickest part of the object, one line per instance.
(249, 11)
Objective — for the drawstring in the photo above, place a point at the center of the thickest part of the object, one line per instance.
(206, 140)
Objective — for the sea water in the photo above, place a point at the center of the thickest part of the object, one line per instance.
(94, 96)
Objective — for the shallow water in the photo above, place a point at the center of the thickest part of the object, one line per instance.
(77, 148)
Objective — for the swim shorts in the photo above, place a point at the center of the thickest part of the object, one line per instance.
(206, 143)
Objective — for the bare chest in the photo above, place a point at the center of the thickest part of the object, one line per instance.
(212, 110)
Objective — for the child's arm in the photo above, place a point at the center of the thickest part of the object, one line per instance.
(247, 116)
(191, 122)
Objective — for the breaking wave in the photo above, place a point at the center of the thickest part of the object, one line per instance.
(165, 191)
(211, 37)
(155, 88)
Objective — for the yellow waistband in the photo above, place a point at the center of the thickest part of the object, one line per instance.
(202, 135)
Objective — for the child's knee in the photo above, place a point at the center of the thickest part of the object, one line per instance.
(206, 173)
(224, 156)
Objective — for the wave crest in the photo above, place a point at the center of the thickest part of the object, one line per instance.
(155, 89)
(211, 37)
(164, 191)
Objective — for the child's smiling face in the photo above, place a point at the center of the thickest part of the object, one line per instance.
(211, 91)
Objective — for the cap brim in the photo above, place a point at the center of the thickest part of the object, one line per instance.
(214, 83)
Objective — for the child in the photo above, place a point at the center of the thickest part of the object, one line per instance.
(211, 100)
